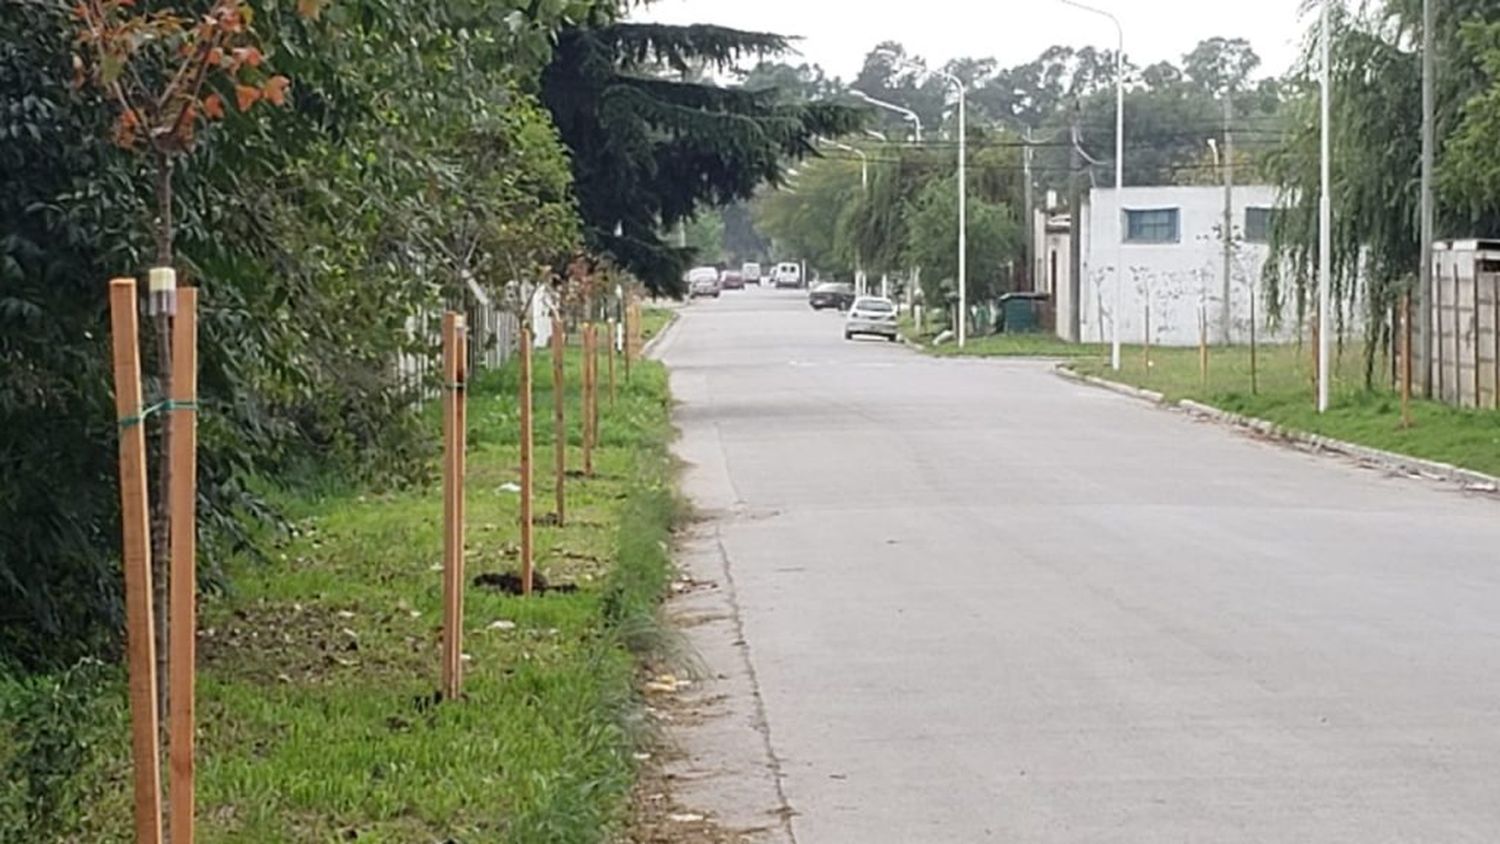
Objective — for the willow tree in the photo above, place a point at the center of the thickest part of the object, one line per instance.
(1376, 153)
(653, 143)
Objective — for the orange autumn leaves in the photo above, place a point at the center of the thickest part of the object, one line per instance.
(201, 62)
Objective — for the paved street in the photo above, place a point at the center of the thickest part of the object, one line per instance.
(963, 601)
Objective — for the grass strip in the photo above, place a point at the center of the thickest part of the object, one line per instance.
(318, 668)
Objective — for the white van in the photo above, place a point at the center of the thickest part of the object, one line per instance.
(788, 274)
(751, 273)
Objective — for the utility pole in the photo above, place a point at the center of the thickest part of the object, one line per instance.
(1227, 316)
(1325, 214)
(1075, 235)
(1030, 251)
(1429, 153)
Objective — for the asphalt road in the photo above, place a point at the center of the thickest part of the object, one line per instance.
(970, 601)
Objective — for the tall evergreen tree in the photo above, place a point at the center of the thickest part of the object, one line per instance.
(653, 144)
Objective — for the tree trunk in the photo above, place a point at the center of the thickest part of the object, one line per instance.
(161, 553)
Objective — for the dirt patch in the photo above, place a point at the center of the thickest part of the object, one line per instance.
(510, 583)
(657, 816)
(271, 642)
(659, 819)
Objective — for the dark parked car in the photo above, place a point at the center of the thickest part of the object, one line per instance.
(732, 280)
(831, 295)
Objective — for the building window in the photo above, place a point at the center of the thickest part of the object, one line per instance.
(1155, 225)
(1258, 223)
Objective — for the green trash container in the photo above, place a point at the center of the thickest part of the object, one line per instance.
(1019, 313)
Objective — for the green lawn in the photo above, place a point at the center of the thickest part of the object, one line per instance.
(653, 321)
(1284, 395)
(318, 668)
(1018, 345)
(1039, 344)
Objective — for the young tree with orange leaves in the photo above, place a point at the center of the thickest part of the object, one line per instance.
(164, 73)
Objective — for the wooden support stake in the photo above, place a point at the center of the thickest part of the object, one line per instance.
(454, 376)
(1254, 375)
(1146, 345)
(587, 396)
(559, 418)
(594, 388)
(183, 498)
(614, 337)
(527, 464)
(1406, 363)
(135, 523)
(1203, 346)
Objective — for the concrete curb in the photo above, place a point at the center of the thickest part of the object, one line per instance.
(648, 351)
(1126, 390)
(1390, 460)
(1387, 460)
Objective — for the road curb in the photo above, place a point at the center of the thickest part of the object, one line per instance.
(1149, 396)
(1390, 460)
(1380, 458)
(648, 351)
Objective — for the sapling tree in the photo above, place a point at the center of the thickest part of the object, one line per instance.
(164, 73)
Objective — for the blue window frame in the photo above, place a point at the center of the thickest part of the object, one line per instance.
(1152, 225)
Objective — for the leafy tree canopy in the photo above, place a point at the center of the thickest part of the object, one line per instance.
(650, 151)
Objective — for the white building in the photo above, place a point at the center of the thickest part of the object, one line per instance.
(1170, 241)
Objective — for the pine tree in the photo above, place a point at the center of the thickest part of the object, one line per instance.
(653, 142)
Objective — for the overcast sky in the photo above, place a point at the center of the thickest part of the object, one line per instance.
(838, 33)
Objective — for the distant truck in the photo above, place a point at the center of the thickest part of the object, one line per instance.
(751, 273)
(788, 275)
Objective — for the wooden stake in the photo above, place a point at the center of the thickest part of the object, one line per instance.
(1406, 363)
(454, 376)
(594, 380)
(1316, 340)
(587, 396)
(614, 334)
(1254, 375)
(527, 466)
(182, 499)
(1146, 346)
(1203, 346)
(559, 418)
(135, 523)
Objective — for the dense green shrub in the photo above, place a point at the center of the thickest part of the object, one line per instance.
(410, 159)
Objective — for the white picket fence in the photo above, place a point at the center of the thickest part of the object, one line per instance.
(492, 341)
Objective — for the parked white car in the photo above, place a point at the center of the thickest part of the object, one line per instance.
(703, 281)
(871, 316)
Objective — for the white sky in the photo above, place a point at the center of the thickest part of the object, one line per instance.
(838, 33)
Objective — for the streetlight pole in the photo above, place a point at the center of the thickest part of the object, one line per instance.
(1119, 175)
(1325, 216)
(916, 123)
(963, 202)
(963, 210)
(916, 120)
(1429, 147)
(864, 186)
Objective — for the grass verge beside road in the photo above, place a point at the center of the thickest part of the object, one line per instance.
(318, 667)
(1465, 438)
(1031, 345)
